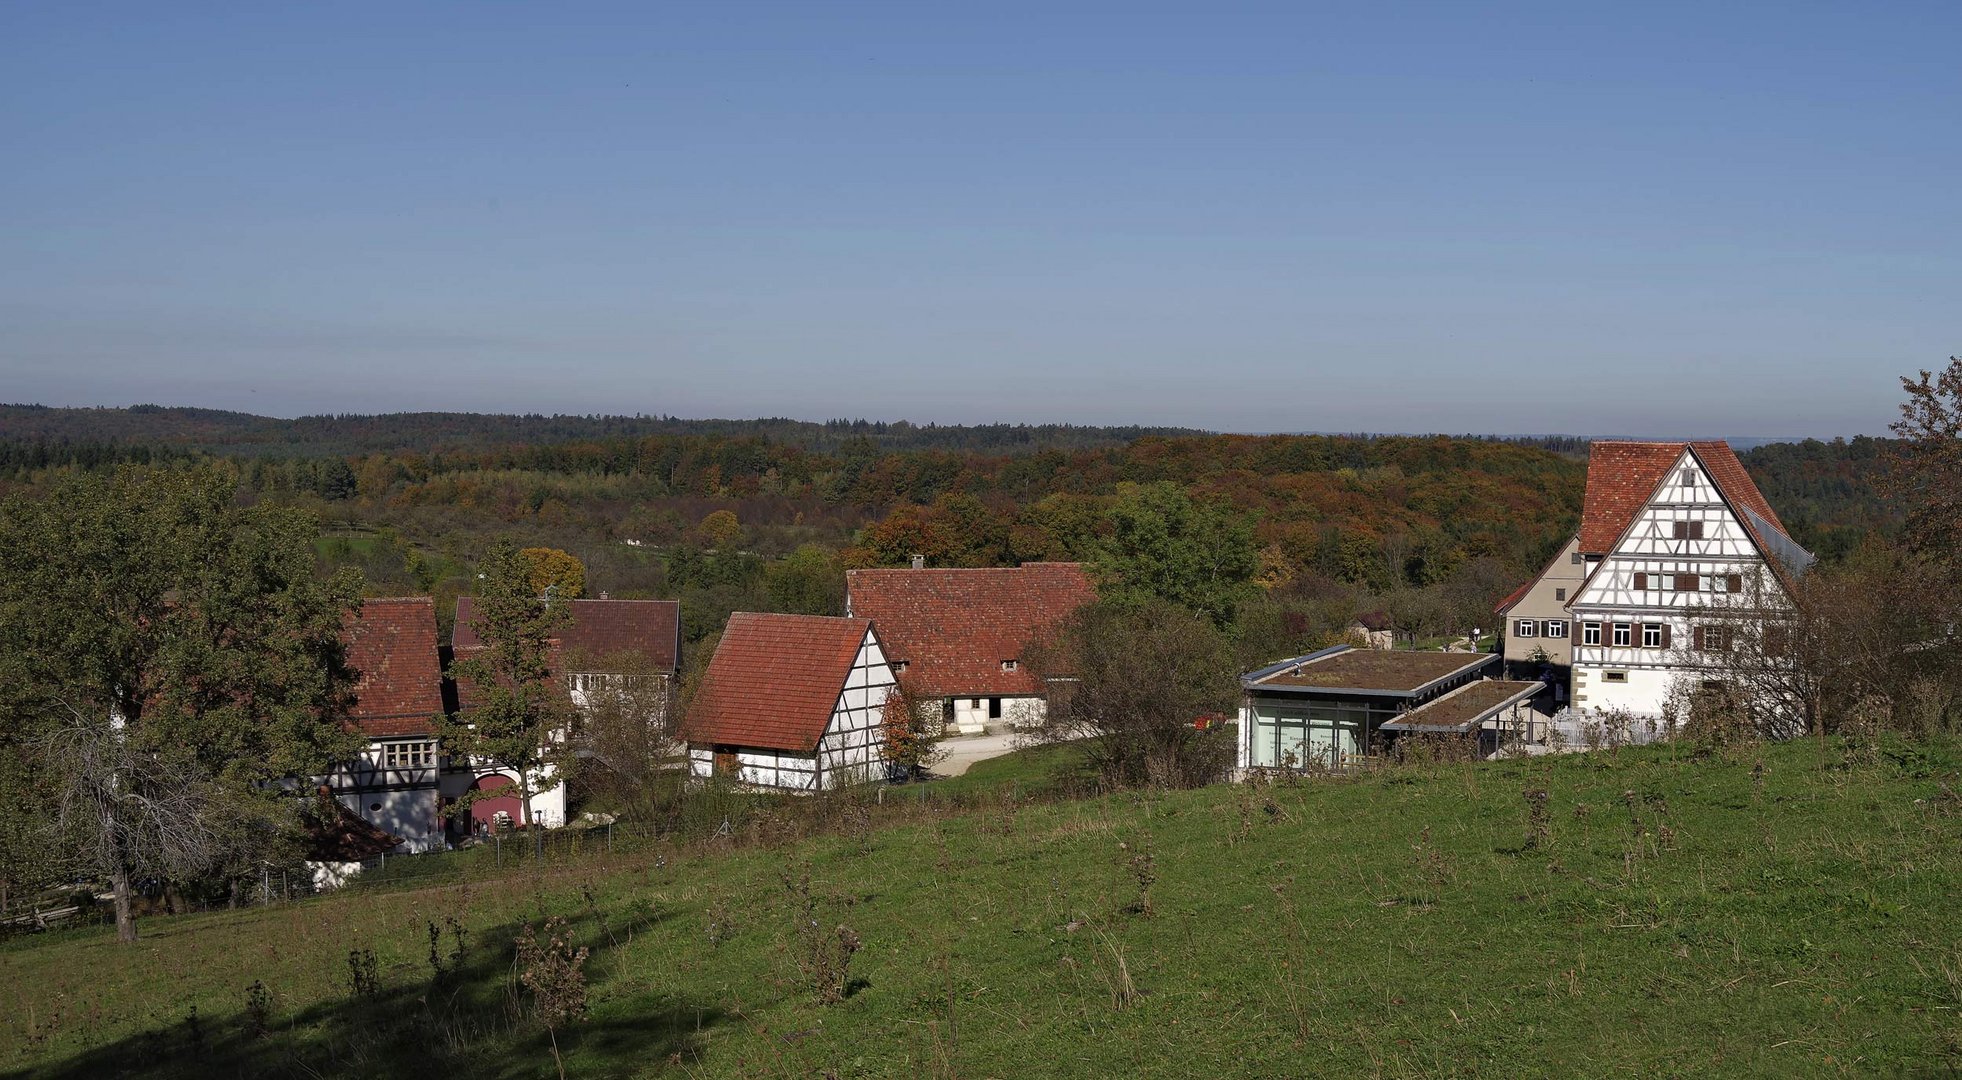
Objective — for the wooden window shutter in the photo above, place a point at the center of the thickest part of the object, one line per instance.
(1665, 635)
(1696, 638)
(1687, 583)
(1576, 631)
(1641, 581)
(1678, 529)
(1734, 583)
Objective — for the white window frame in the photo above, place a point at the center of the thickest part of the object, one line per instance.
(1590, 633)
(1555, 628)
(1651, 635)
(1525, 628)
(1624, 635)
(408, 754)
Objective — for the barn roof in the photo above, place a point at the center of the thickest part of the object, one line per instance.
(392, 643)
(600, 629)
(953, 628)
(775, 680)
(1622, 476)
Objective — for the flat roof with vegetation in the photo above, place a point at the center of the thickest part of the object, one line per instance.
(1467, 706)
(1376, 671)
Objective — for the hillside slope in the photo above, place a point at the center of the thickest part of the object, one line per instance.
(1778, 912)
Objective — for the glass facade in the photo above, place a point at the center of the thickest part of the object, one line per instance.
(1324, 735)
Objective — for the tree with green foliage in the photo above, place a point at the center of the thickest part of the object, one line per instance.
(515, 714)
(808, 581)
(1163, 544)
(166, 658)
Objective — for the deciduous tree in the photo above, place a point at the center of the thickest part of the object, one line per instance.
(514, 713)
(165, 652)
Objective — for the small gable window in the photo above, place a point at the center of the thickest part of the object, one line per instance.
(1687, 530)
(1559, 594)
(1008, 665)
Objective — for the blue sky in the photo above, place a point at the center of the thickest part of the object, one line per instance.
(1697, 219)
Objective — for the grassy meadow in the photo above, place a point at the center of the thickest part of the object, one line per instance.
(1770, 911)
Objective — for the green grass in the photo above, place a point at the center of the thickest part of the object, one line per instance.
(1681, 918)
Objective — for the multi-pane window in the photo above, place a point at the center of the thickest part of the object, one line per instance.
(1008, 665)
(1624, 634)
(1575, 558)
(416, 754)
(1591, 633)
(1713, 639)
(1651, 636)
(1555, 628)
(1525, 628)
(1614, 676)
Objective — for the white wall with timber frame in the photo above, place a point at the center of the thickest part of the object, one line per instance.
(850, 751)
(393, 786)
(1686, 550)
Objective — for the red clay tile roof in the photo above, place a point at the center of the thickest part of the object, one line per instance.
(953, 628)
(774, 681)
(601, 628)
(1622, 476)
(1515, 596)
(392, 643)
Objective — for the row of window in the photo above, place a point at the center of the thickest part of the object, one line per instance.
(1729, 583)
(1549, 628)
(408, 754)
(590, 683)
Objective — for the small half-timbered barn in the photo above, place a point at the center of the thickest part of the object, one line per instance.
(393, 784)
(792, 703)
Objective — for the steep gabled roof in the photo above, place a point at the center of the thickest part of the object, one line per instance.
(774, 680)
(392, 643)
(599, 629)
(953, 628)
(1623, 476)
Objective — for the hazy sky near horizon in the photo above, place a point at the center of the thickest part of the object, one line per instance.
(1665, 219)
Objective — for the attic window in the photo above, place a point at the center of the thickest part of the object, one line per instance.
(899, 667)
(1689, 478)
(1688, 530)
(1559, 594)
(1008, 665)
(1576, 560)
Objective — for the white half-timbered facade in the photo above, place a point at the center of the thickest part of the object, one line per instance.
(792, 703)
(1702, 537)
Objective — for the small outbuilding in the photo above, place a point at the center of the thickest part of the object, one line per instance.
(792, 703)
(1333, 708)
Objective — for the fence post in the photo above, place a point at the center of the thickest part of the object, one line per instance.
(498, 841)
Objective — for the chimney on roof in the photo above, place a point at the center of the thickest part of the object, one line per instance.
(919, 562)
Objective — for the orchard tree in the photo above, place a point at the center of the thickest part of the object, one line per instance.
(166, 658)
(1929, 480)
(1129, 681)
(515, 713)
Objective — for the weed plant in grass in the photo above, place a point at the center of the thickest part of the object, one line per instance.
(1776, 911)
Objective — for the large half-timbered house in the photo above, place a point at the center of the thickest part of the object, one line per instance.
(793, 703)
(394, 784)
(1669, 530)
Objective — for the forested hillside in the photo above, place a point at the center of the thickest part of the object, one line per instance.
(766, 514)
